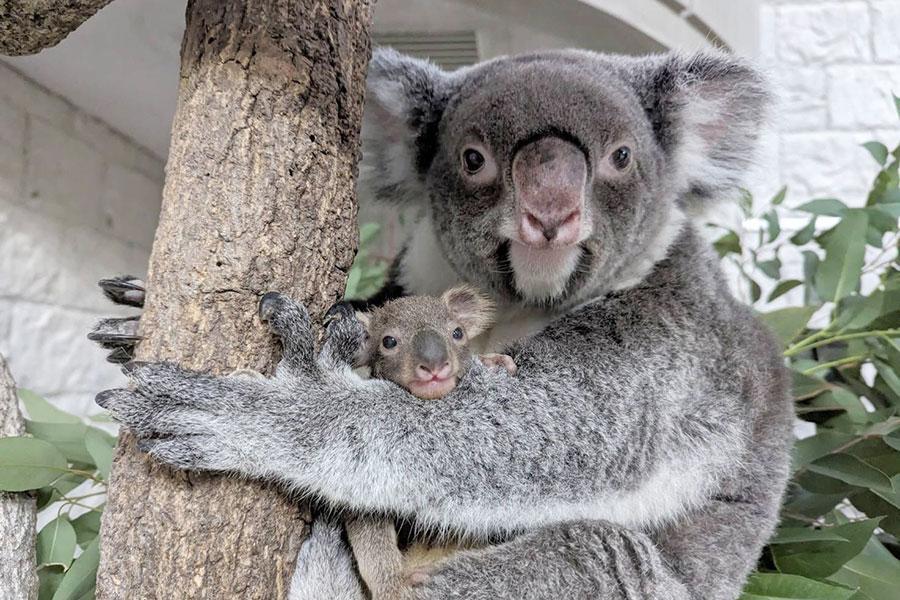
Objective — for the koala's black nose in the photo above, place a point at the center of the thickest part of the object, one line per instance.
(430, 352)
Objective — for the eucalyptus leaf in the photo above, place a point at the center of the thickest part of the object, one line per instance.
(779, 586)
(805, 235)
(49, 579)
(787, 323)
(874, 571)
(774, 226)
(87, 526)
(783, 288)
(68, 437)
(100, 446)
(878, 151)
(56, 543)
(28, 464)
(82, 575)
(821, 559)
(849, 469)
(831, 207)
(39, 409)
(845, 248)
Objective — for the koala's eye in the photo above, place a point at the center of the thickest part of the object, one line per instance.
(621, 157)
(389, 342)
(457, 333)
(473, 160)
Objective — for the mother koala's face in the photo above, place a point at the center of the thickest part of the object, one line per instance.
(553, 177)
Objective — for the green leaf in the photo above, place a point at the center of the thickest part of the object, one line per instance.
(850, 469)
(87, 526)
(68, 437)
(100, 446)
(368, 233)
(831, 207)
(82, 575)
(821, 559)
(783, 288)
(729, 243)
(845, 248)
(49, 579)
(819, 445)
(28, 464)
(787, 323)
(771, 268)
(878, 151)
(795, 535)
(774, 226)
(778, 198)
(778, 586)
(39, 409)
(56, 543)
(805, 386)
(805, 235)
(874, 571)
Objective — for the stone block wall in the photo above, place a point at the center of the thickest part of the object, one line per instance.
(78, 202)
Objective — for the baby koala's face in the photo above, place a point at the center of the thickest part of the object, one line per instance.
(422, 343)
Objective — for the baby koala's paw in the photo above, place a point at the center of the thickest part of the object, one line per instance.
(499, 360)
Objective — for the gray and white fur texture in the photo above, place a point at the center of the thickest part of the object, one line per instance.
(641, 450)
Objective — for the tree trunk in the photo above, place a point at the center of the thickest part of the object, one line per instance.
(18, 576)
(258, 196)
(29, 26)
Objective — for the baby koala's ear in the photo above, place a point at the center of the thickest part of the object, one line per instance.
(470, 308)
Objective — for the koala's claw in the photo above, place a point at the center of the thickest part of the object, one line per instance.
(268, 304)
(118, 335)
(338, 311)
(124, 289)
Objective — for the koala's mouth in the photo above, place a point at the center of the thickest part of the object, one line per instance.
(433, 388)
(540, 275)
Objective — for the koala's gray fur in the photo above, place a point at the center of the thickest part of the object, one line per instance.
(641, 450)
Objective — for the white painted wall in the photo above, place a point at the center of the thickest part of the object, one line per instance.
(835, 65)
(78, 202)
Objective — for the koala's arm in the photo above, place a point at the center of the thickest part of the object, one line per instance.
(499, 453)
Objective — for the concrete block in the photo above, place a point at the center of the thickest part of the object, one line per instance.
(886, 30)
(859, 97)
(816, 165)
(823, 32)
(131, 204)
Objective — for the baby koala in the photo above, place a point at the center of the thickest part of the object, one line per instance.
(422, 343)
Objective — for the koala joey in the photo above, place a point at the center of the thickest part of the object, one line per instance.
(421, 343)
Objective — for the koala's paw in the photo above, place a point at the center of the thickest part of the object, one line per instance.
(345, 337)
(499, 360)
(119, 335)
(290, 321)
(124, 289)
(186, 419)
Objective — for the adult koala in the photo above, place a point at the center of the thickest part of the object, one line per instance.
(642, 449)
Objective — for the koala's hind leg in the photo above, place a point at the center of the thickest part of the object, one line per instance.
(324, 568)
(378, 558)
(499, 360)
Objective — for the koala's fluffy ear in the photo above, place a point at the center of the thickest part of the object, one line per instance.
(405, 98)
(707, 111)
(470, 308)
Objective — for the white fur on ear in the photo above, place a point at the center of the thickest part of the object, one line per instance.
(473, 310)
(402, 100)
(708, 110)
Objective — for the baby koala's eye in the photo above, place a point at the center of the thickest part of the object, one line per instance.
(473, 160)
(621, 158)
(457, 333)
(389, 342)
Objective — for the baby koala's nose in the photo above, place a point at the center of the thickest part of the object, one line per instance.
(431, 355)
(426, 372)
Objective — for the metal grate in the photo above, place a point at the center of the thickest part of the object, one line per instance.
(449, 50)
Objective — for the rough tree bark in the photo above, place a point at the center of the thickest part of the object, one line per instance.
(18, 577)
(258, 196)
(29, 26)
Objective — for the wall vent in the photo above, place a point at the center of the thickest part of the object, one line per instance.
(449, 50)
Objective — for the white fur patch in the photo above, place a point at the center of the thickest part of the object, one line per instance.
(542, 274)
(657, 250)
